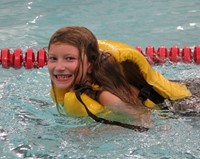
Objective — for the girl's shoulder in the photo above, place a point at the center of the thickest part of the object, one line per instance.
(107, 98)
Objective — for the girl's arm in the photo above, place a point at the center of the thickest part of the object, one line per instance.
(115, 104)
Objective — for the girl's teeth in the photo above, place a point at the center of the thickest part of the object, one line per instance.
(62, 76)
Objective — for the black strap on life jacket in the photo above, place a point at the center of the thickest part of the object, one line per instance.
(79, 89)
(147, 92)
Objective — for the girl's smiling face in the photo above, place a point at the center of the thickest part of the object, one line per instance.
(65, 66)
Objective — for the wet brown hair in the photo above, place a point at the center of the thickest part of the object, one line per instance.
(79, 37)
(111, 76)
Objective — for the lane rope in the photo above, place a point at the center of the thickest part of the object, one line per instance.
(31, 59)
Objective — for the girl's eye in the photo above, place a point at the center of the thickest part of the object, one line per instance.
(70, 58)
(52, 58)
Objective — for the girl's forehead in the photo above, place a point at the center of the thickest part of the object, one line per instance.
(61, 44)
(63, 47)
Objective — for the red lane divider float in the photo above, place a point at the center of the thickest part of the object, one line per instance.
(196, 55)
(30, 59)
(16, 60)
(174, 54)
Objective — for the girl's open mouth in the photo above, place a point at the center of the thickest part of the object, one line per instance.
(63, 77)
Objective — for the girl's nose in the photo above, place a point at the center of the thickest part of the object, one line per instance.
(60, 65)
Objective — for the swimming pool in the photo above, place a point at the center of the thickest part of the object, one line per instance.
(31, 127)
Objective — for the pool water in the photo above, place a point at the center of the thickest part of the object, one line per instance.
(31, 127)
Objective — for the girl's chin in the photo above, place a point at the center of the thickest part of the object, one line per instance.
(62, 85)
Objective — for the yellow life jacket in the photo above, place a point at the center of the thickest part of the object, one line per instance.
(72, 105)
(167, 89)
(122, 52)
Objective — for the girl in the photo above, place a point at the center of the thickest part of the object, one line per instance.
(75, 62)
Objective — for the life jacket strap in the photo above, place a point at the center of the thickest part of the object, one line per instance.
(81, 89)
(148, 92)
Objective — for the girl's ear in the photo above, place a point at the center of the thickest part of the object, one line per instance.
(89, 70)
